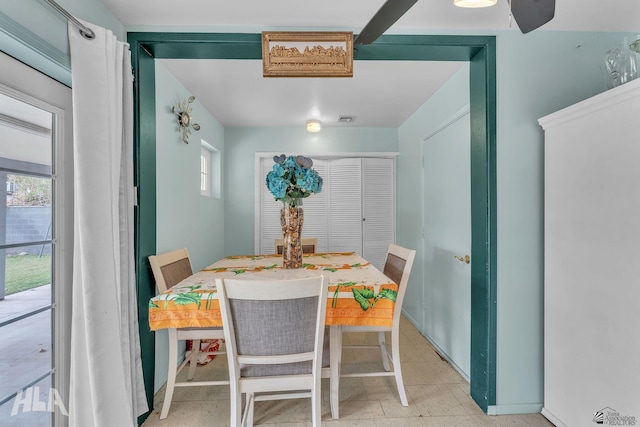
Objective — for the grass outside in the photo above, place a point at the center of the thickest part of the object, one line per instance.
(24, 272)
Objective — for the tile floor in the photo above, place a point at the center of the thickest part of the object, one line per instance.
(438, 396)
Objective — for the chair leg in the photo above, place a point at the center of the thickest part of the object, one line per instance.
(235, 419)
(316, 405)
(193, 362)
(247, 418)
(383, 351)
(335, 349)
(395, 352)
(171, 374)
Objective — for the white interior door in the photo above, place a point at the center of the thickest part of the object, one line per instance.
(447, 241)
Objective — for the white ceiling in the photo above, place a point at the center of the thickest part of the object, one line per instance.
(352, 15)
(381, 94)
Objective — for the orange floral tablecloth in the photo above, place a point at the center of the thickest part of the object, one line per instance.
(359, 294)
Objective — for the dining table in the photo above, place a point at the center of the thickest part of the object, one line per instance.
(359, 295)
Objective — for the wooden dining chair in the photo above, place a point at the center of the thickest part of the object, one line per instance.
(397, 267)
(309, 245)
(168, 270)
(274, 331)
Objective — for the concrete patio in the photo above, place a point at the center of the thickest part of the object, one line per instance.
(25, 353)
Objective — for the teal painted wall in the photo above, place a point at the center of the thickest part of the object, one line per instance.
(537, 74)
(185, 218)
(243, 143)
(431, 116)
(43, 21)
(36, 34)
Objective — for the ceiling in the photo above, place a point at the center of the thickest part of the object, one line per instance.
(381, 94)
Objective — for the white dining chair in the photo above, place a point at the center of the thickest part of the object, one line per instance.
(309, 245)
(168, 270)
(397, 267)
(274, 332)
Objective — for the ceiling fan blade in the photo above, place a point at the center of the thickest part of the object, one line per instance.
(385, 17)
(531, 14)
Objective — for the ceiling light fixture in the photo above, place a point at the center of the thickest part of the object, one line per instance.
(474, 3)
(313, 126)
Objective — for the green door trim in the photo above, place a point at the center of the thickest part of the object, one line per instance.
(480, 51)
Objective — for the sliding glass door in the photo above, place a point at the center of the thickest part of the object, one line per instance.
(35, 243)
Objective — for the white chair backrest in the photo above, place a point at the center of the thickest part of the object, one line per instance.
(397, 267)
(309, 245)
(170, 268)
(273, 327)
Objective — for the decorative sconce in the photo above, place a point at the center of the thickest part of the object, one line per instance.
(183, 111)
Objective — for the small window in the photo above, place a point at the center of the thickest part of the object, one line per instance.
(205, 171)
(210, 171)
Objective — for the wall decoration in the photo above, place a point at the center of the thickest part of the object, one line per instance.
(183, 111)
(307, 54)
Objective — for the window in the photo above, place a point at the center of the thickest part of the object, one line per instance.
(210, 170)
(205, 171)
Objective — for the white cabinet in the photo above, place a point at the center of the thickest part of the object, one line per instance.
(592, 259)
(355, 211)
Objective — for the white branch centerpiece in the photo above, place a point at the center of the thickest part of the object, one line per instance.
(291, 180)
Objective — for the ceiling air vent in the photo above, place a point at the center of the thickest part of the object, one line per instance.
(345, 119)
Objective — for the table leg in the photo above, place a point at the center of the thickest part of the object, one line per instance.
(335, 349)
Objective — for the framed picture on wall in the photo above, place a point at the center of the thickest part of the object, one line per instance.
(307, 54)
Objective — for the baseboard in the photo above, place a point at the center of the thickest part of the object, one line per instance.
(411, 320)
(444, 355)
(523, 408)
(552, 418)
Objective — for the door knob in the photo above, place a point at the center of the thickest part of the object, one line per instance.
(466, 259)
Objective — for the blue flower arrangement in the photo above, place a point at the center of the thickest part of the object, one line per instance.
(293, 179)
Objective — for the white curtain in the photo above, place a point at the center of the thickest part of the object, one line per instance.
(106, 384)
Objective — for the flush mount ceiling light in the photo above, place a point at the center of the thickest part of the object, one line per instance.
(313, 126)
(183, 111)
(474, 3)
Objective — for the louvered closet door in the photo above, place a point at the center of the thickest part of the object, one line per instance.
(315, 212)
(345, 205)
(269, 212)
(354, 189)
(378, 209)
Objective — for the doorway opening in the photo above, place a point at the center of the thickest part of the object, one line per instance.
(479, 51)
